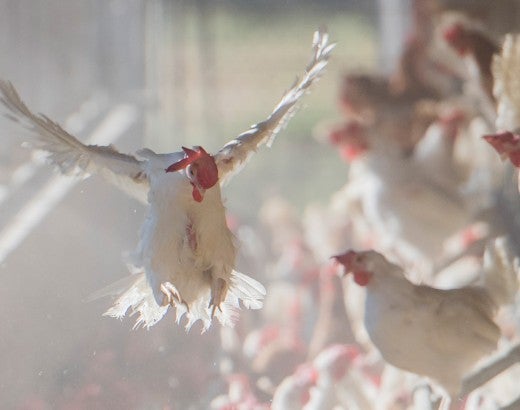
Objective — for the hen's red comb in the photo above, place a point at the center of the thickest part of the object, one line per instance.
(507, 144)
(453, 33)
(191, 156)
(346, 259)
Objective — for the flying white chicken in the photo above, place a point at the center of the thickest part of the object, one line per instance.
(436, 333)
(186, 253)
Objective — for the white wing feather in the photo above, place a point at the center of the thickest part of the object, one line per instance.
(72, 156)
(248, 290)
(138, 298)
(506, 85)
(501, 269)
(234, 155)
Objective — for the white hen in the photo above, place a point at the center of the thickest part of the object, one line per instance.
(341, 382)
(435, 152)
(476, 47)
(436, 333)
(506, 84)
(186, 253)
(293, 393)
(408, 211)
(506, 89)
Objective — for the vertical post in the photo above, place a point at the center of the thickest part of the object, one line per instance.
(394, 23)
(165, 73)
(208, 66)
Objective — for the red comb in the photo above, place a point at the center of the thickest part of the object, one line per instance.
(307, 374)
(191, 156)
(453, 33)
(503, 141)
(349, 352)
(507, 144)
(350, 139)
(346, 259)
(454, 115)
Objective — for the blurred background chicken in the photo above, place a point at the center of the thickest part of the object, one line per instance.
(418, 328)
(475, 46)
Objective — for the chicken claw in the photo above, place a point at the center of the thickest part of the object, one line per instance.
(171, 295)
(218, 294)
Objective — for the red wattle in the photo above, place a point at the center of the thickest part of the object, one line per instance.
(349, 153)
(515, 158)
(197, 196)
(362, 278)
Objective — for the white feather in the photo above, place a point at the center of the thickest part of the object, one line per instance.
(501, 269)
(506, 86)
(69, 154)
(139, 298)
(186, 254)
(235, 154)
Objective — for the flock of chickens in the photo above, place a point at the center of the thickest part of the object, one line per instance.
(432, 204)
(424, 236)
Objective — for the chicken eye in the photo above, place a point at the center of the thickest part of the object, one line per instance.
(190, 171)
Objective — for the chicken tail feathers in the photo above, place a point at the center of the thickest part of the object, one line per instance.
(248, 290)
(506, 88)
(136, 296)
(243, 291)
(501, 270)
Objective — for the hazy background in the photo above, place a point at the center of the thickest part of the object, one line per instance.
(161, 74)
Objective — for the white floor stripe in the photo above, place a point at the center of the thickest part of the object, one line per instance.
(119, 120)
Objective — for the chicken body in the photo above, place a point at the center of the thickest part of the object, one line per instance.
(405, 208)
(476, 49)
(435, 153)
(506, 84)
(435, 328)
(293, 393)
(437, 333)
(409, 203)
(506, 89)
(186, 248)
(341, 382)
